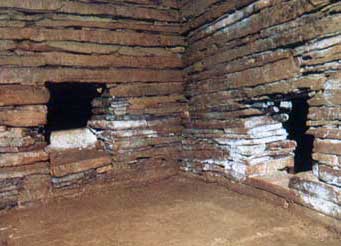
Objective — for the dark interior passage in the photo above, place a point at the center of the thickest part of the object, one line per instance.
(70, 105)
(296, 128)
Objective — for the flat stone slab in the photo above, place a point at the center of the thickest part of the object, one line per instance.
(75, 161)
(317, 194)
(72, 139)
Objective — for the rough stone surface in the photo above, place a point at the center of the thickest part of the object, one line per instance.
(72, 139)
(204, 86)
(245, 63)
(133, 48)
(75, 161)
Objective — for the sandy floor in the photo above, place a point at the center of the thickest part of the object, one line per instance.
(173, 212)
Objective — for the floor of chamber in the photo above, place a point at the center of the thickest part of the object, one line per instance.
(177, 211)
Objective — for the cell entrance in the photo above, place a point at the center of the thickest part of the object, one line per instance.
(296, 127)
(70, 105)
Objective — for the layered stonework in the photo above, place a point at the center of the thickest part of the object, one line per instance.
(134, 48)
(206, 86)
(246, 62)
(22, 155)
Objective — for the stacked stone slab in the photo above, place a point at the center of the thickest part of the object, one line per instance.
(322, 189)
(131, 46)
(73, 168)
(76, 158)
(22, 155)
(140, 124)
(231, 61)
(251, 146)
(325, 118)
(246, 60)
(78, 41)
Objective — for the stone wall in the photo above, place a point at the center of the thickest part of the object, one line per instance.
(133, 47)
(229, 71)
(245, 63)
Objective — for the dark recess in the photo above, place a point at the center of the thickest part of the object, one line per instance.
(296, 128)
(70, 105)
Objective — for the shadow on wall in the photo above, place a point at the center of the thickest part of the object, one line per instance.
(296, 127)
(3, 243)
(70, 105)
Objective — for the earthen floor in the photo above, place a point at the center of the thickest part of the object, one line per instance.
(176, 211)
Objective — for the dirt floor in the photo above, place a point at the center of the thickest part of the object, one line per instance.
(174, 212)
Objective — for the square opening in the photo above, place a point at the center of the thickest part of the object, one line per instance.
(70, 105)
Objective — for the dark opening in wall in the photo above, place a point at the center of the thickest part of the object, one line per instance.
(296, 128)
(70, 105)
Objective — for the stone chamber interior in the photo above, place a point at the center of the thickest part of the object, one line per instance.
(143, 112)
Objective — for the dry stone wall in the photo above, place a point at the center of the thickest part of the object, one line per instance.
(133, 47)
(246, 61)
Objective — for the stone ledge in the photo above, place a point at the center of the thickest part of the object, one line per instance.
(273, 193)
